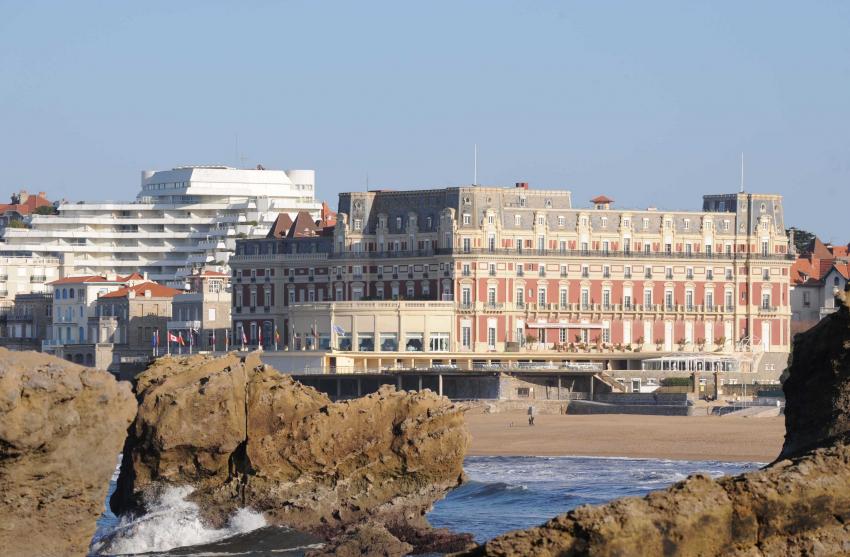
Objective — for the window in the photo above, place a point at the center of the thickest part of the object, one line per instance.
(517, 220)
(413, 342)
(563, 271)
(491, 338)
(725, 226)
(291, 297)
(541, 220)
(687, 224)
(606, 299)
(466, 272)
(645, 223)
(398, 223)
(466, 296)
(709, 274)
(689, 273)
(668, 299)
(668, 249)
(541, 269)
(466, 336)
(358, 224)
(765, 300)
(606, 271)
(689, 249)
(492, 269)
(491, 219)
(541, 296)
(467, 245)
(520, 298)
(585, 298)
(267, 297)
(491, 243)
(709, 300)
(585, 271)
(730, 305)
(562, 297)
(807, 301)
(668, 273)
(689, 300)
(561, 221)
(604, 222)
(764, 248)
(467, 218)
(605, 247)
(491, 295)
(439, 342)
(627, 272)
(389, 342)
(562, 246)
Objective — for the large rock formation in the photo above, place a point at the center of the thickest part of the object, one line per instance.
(245, 435)
(61, 430)
(799, 505)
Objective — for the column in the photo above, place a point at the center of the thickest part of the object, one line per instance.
(440, 384)
(420, 381)
(592, 377)
(559, 387)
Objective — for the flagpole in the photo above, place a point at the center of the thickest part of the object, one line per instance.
(168, 342)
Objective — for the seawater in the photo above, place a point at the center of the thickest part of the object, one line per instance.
(503, 494)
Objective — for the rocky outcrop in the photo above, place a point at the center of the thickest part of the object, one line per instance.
(799, 505)
(243, 434)
(61, 430)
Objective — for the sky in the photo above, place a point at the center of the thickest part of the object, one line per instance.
(651, 103)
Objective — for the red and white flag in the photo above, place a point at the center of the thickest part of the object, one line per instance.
(172, 338)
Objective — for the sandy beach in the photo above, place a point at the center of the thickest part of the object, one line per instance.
(671, 437)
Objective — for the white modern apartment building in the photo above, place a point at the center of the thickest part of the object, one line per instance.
(181, 219)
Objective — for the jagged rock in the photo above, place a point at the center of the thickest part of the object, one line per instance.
(243, 434)
(799, 505)
(61, 430)
(364, 540)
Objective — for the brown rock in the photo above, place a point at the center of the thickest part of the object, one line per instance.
(364, 540)
(800, 505)
(61, 430)
(245, 435)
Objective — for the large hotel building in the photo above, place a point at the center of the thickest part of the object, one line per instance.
(465, 275)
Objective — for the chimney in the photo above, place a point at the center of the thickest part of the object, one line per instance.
(521, 185)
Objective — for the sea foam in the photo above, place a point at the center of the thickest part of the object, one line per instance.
(172, 521)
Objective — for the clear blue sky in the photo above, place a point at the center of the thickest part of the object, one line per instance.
(648, 102)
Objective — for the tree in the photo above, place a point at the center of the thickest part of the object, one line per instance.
(15, 223)
(802, 239)
(46, 210)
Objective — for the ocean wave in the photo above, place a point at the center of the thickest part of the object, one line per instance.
(172, 521)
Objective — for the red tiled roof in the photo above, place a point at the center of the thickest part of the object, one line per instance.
(131, 276)
(83, 278)
(32, 203)
(281, 226)
(303, 226)
(601, 199)
(157, 291)
(213, 274)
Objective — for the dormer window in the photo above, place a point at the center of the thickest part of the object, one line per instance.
(541, 220)
(491, 219)
(522, 202)
(687, 224)
(467, 218)
(517, 220)
(428, 223)
(398, 223)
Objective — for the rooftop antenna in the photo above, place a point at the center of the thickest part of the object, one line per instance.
(742, 172)
(475, 165)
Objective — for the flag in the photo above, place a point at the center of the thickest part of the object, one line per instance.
(155, 339)
(213, 339)
(338, 330)
(171, 337)
(180, 340)
(244, 338)
(276, 335)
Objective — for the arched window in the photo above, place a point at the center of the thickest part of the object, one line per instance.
(64, 293)
(71, 293)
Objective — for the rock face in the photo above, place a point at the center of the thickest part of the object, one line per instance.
(799, 505)
(245, 435)
(61, 430)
